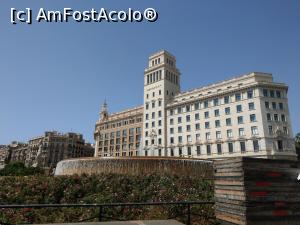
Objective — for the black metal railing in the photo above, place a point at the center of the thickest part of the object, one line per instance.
(101, 213)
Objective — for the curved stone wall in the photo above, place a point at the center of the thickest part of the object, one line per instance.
(136, 166)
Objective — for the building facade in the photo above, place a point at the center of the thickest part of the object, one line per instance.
(13, 152)
(47, 150)
(18, 151)
(3, 155)
(243, 116)
(118, 134)
(52, 147)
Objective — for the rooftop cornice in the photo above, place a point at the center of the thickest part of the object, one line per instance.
(175, 103)
(160, 53)
(119, 115)
(137, 108)
(226, 82)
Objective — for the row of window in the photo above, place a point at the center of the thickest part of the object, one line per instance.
(272, 93)
(155, 61)
(153, 124)
(118, 140)
(274, 105)
(227, 110)
(117, 154)
(208, 136)
(125, 153)
(62, 145)
(214, 102)
(118, 133)
(123, 147)
(159, 93)
(121, 123)
(172, 77)
(218, 135)
(275, 117)
(153, 102)
(217, 124)
(208, 149)
(170, 62)
(154, 76)
(207, 125)
(131, 153)
(153, 115)
(228, 121)
(157, 76)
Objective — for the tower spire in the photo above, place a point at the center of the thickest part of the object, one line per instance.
(104, 111)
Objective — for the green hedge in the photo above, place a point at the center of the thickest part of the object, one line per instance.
(105, 188)
(19, 169)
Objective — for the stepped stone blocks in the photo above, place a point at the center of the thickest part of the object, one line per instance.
(251, 191)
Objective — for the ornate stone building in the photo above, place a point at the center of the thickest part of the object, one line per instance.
(47, 150)
(118, 134)
(52, 147)
(243, 116)
(17, 151)
(3, 155)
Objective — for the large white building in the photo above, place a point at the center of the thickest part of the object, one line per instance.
(242, 116)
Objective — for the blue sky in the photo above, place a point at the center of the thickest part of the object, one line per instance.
(55, 76)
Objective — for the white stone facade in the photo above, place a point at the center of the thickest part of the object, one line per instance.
(243, 116)
(161, 84)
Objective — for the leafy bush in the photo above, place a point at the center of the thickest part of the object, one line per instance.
(104, 188)
(19, 169)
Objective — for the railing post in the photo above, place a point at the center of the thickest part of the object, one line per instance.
(188, 222)
(100, 213)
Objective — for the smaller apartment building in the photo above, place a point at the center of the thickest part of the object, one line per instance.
(47, 150)
(52, 147)
(118, 134)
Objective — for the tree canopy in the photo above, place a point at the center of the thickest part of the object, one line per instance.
(297, 140)
(19, 169)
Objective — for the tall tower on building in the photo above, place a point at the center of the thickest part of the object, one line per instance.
(104, 111)
(103, 117)
(161, 84)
